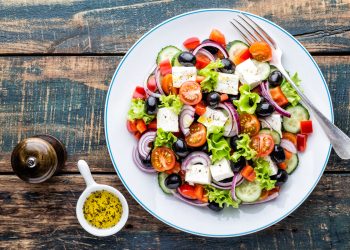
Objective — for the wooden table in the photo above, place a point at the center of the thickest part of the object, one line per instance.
(56, 62)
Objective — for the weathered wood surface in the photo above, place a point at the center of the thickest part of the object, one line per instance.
(64, 96)
(322, 222)
(71, 26)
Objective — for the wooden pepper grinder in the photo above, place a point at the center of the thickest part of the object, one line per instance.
(37, 158)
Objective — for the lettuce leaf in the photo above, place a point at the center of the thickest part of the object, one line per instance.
(138, 111)
(171, 101)
(218, 146)
(289, 91)
(164, 138)
(262, 170)
(222, 197)
(248, 101)
(243, 149)
(211, 76)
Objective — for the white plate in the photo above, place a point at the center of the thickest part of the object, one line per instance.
(144, 187)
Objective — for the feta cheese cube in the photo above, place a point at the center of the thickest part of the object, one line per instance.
(198, 173)
(167, 120)
(248, 73)
(227, 83)
(183, 74)
(274, 121)
(221, 170)
(273, 166)
(213, 118)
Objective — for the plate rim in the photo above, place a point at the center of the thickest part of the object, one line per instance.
(116, 167)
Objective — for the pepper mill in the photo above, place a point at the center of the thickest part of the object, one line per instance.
(38, 158)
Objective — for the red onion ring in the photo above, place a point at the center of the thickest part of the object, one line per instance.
(196, 203)
(233, 186)
(220, 187)
(264, 87)
(195, 157)
(138, 162)
(269, 198)
(143, 144)
(235, 116)
(230, 128)
(187, 110)
(288, 145)
(206, 53)
(267, 124)
(158, 81)
(211, 44)
(148, 91)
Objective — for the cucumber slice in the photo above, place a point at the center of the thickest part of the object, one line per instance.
(167, 52)
(175, 61)
(298, 114)
(161, 181)
(235, 47)
(263, 69)
(275, 135)
(292, 163)
(248, 191)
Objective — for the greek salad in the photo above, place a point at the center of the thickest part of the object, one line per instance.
(217, 123)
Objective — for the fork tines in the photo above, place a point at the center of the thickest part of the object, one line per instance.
(251, 31)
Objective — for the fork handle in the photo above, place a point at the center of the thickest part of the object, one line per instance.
(339, 140)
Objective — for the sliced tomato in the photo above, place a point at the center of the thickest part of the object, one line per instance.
(278, 96)
(200, 108)
(217, 36)
(151, 83)
(131, 126)
(167, 85)
(241, 56)
(188, 191)
(248, 173)
(162, 159)
(301, 142)
(197, 136)
(141, 126)
(190, 93)
(176, 169)
(199, 79)
(201, 61)
(191, 43)
(165, 67)
(261, 51)
(263, 144)
(139, 93)
(306, 127)
(249, 124)
(152, 125)
(290, 137)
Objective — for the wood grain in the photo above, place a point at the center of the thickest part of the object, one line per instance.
(43, 216)
(70, 26)
(64, 96)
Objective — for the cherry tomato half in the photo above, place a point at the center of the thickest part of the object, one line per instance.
(263, 144)
(151, 83)
(190, 93)
(188, 191)
(197, 136)
(191, 43)
(261, 51)
(163, 159)
(167, 85)
(250, 124)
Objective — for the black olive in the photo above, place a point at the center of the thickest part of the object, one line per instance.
(281, 177)
(239, 165)
(180, 148)
(278, 155)
(233, 97)
(275, 78)
(215, 206)
(211, 49)
(229, 67)
(264, 109)
(233, 142)
(227, 180)
(213, 99)
(151, 105)
(147, 162)
(173, 181)
(204, 148)
(187, 59)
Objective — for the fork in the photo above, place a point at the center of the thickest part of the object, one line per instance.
(252, 32)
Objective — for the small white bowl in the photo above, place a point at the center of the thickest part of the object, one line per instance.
(92, 186)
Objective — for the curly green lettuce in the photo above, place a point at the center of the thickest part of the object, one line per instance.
(218, 145)
(289, 91)
(171, 101)
(243, 148)
(211, 76)
(248, 101)
(222, 197)
(263, 171)
(164, 138)
(138, 111)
